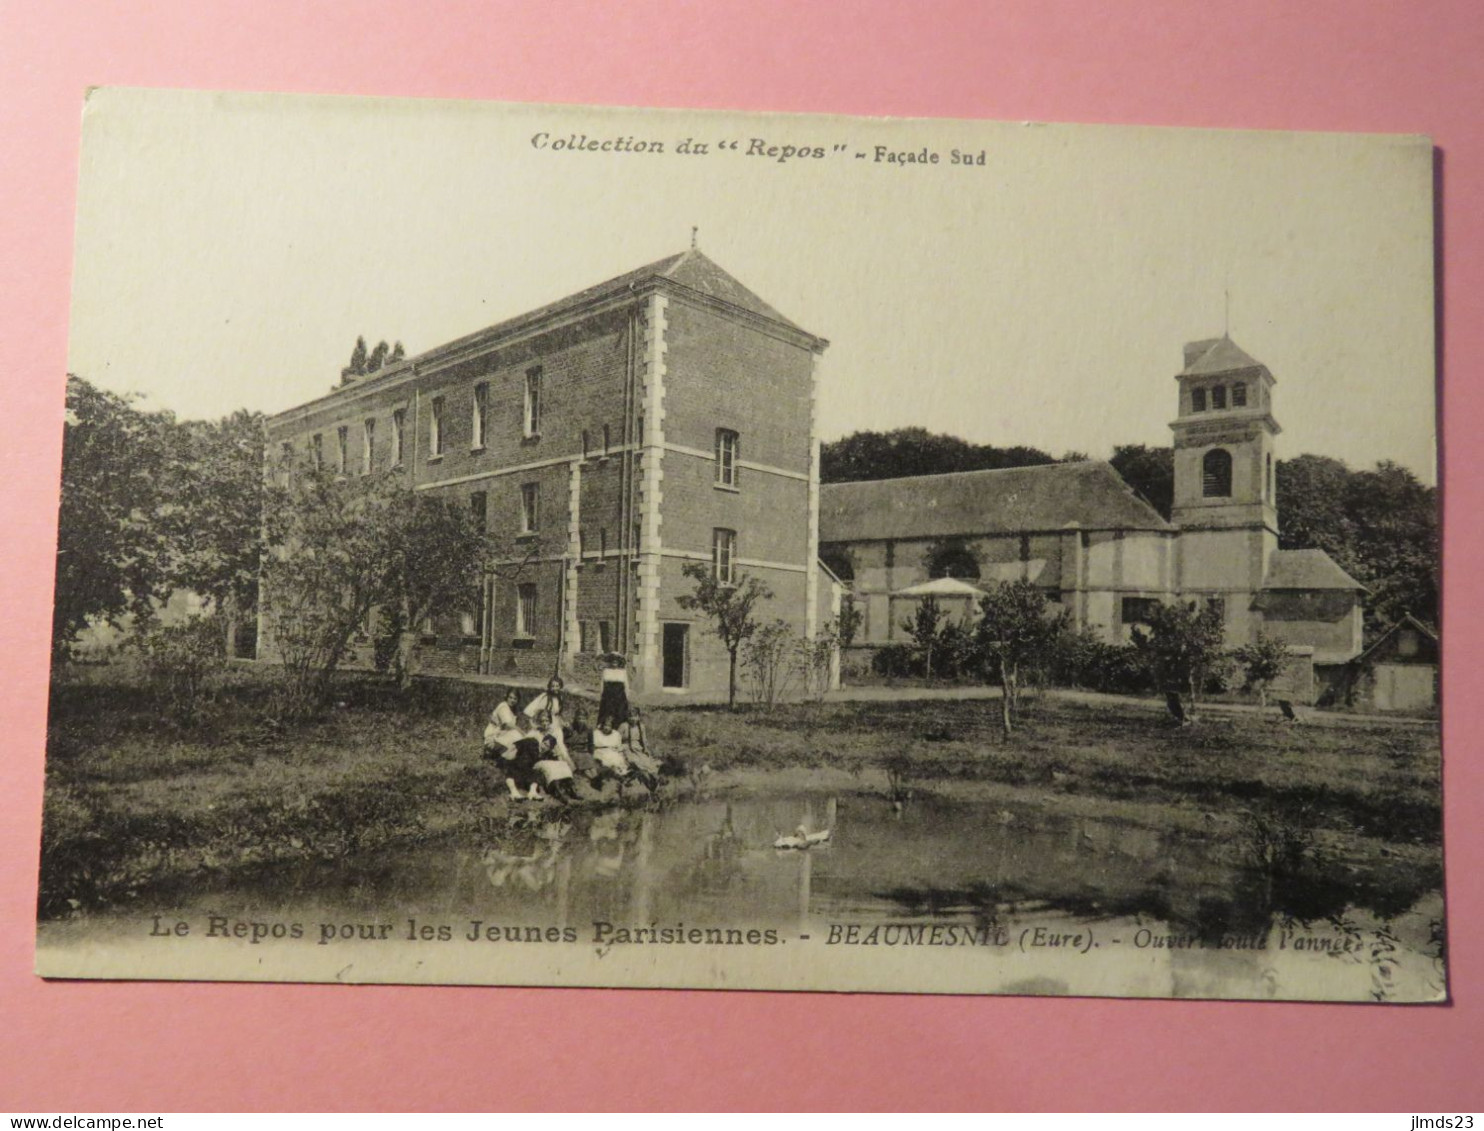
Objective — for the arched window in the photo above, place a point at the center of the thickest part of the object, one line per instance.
(951, 557)
(1216, 474)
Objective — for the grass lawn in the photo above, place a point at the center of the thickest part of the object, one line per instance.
(135, 802)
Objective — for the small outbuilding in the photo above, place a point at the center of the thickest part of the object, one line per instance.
(1399, 672)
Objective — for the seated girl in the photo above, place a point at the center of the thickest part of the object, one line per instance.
(555, 772)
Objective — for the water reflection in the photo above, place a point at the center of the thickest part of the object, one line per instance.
(1209, 912)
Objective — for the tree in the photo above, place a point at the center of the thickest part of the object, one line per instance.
(1183, 642)
(213, 516)
(1150, 472)
(925, 627)
(112, 554)
(1015, 628)
(730, 608)
(915, 451)
(1264, 660)
(329, 567)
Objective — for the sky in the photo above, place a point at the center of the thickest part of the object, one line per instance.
(230, 248)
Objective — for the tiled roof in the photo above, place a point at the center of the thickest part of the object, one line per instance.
(1306, 569)
(1212, 356)
(1046, 497)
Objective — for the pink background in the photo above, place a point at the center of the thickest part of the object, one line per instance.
(1415, 67)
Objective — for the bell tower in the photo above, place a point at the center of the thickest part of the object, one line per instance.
(1225, 489)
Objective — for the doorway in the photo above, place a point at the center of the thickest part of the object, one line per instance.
(676, 655)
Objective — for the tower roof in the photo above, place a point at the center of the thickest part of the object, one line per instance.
(1212, 356)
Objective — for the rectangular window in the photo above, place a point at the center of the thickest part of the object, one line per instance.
(590, 636)
(317, 449)
(1138, 610)
(724, 555)
(533, 403)
(530, 508)
(476, 424)
(607, 440)
(1197, 400)
(605, 636)
(399, 424)
(525, 609)
(1239, 395)
(586, 444)
(1218, 397)
(479, 510)
(342, 448)
(368, 446)
(639, 430)
(1219, 604)
(435, 428)
(602, 544)
(726, 457)
(467, 625)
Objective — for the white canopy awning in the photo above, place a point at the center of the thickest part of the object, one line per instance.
(941, 587)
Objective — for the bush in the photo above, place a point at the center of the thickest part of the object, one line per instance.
(179, 658)
(896, 661)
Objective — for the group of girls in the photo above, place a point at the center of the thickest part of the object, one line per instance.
(541, 752)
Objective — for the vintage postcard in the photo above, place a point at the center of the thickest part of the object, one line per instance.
(585, 547)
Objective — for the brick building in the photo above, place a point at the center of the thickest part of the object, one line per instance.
(1078, 532)
(663, 417)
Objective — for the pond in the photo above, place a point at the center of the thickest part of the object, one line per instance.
(932, 894)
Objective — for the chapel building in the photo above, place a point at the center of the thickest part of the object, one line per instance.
(1102, 552)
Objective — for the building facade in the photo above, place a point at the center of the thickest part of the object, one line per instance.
(664, 417)
(1078, 532)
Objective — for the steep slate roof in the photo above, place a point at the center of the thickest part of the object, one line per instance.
(1306, 569)
(1046, 497)
(1211, 356)
(690, 269)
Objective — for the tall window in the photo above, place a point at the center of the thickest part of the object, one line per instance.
(481, 404)
(525, 609)
(586, 444)
(726, 457)
(368, 442)
(530, 507)
(317, 449)
(1197, 400)
(1218, 397)
(602, 541)
(479, 510)
(1216, 474)
(533, 403)
(607, 439)
(724, 555)
(435, 428)
(1272, 494)
(1239, 395)
(342, 448)
(399, 427)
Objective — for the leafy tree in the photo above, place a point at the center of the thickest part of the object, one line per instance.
(179, 658)
(1150, 472)
(112, 555)
(925, 627)
(1015, 628)
(1263, 660)
(213, 516)
(1183, 643)
(1380, 526)
(438, 556)
(730, 608)
(329, 568)
(915, 451)
(357, 366)
(951, 557)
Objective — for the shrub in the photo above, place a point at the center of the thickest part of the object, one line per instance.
(179, 658)
(896, 661)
